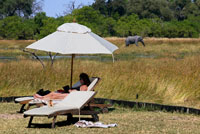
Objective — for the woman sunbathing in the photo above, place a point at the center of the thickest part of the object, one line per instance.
(84, 80)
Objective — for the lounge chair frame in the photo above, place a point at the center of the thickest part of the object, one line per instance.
(69, 114)
(103, 107)
(23, 103)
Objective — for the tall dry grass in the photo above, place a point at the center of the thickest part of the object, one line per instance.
(15, 43)
(171, 77)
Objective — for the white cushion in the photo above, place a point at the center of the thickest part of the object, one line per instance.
(92, 84)
(23, 99)
(74, 100)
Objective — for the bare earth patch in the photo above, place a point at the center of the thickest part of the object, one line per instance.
(11, 116)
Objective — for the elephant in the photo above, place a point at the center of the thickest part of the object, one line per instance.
(134, 39)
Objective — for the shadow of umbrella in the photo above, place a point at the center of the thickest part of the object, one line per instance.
(72, 39)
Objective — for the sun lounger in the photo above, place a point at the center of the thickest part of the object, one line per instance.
(30, 100)
(23, 101)
(72, 104)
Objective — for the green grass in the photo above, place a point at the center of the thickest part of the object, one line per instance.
(166, 71)
(128, 121)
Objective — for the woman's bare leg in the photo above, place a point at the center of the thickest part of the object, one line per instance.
(51, 95)
(54, 95)
(37, 96)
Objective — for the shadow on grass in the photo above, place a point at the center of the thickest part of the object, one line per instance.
(58, 123)
(111, 109)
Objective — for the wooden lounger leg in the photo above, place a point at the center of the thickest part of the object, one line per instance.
(69, 118)
(22, 108)
(53, 123)
(30, 122)
(28, 107)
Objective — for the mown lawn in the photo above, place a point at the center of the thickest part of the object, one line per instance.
(128, 120)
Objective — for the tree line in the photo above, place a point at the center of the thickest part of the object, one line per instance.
(23, 19)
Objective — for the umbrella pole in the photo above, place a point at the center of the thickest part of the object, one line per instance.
(72, 61)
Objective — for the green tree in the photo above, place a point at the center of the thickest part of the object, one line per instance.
(111, 8)
(28, 30)
(91, 18)
(11, 27)
(181, 29)
(178, 7)
(108, 27)
(22, 8)
(14, 27)
(101, 6)
(150, 9)
(155, 26)
(191, 9)
(49, 26)
(39, 21)
(125, 25)
(194, 22)
(68, 18)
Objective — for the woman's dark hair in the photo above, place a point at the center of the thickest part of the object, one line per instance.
(85, 78)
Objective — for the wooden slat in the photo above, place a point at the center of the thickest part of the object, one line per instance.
(85, 112)
(25, 102)
(100, 105)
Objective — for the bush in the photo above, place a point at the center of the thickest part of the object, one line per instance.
(15, 27)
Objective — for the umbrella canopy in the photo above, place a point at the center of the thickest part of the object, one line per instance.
(73, 38)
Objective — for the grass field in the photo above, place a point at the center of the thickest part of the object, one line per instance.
(128, 121)
(166, 71)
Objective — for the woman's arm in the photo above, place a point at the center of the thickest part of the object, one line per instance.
(72, 90)
(83, 88)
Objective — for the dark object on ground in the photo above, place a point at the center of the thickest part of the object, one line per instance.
(42, 92)
(66, 88)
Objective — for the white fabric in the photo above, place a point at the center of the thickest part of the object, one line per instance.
(76, 98)
(73, 28)
(73, 43)
(73, 101)
(46, 110)
(89, 124)
(90, 87)
(23, 99)
(38, 101)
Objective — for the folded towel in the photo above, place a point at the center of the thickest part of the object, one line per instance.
(46, 102)
(36, 101)
(83, 123)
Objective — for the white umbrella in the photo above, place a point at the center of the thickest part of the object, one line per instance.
(73, 38)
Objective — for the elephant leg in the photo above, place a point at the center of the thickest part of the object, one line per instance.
(127, 43)
(142, 43)
(136, 43)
